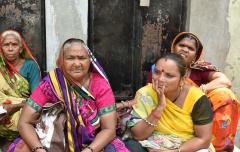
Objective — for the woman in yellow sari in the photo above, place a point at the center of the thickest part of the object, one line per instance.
(19, 75)
(169, 114)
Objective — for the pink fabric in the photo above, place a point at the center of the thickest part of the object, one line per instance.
(43, 94)
(101, 91)
(119, 145)
(99, 88)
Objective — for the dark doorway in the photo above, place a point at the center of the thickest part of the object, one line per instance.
(127, 38)
(27, 17)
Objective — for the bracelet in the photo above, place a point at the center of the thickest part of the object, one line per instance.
(123, 104)
(203, 88)
(149, 123)
(179, 150)
(128, 103)
(90, 148)
(40, 147)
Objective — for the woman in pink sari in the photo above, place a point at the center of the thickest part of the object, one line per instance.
(80, 85)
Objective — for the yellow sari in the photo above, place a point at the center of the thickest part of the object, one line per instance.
(175, 123)
(13, 90)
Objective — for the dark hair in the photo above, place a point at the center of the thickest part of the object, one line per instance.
(178, 59)
(190, 36)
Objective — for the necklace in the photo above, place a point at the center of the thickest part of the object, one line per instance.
(177, 96)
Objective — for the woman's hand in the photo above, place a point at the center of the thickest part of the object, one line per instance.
(12, 108)
(4, 119)
(124, 104)
(159, 88)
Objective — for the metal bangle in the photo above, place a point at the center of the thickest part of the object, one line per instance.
(40, 147)
(149, 123)
(90, 148)
(179, 150)
(123, 104)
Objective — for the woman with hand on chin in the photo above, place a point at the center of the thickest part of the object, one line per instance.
(169, 114)
(215, 85)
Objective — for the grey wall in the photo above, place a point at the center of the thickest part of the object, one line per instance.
(64, 19)
(217, 23)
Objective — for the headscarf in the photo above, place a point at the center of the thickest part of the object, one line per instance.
(74, 126)
(94, 63)
(10, 73)
(199, 63)
(26, 53)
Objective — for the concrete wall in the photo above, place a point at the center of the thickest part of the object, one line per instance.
(64, 19)
(217, 23)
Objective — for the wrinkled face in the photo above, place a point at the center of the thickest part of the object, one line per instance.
(167, 73)
(76, 62)
(11, 48)
(187, 49)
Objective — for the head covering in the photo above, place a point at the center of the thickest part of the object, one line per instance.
(183, 35)
(199, 63)
(26, 53)
(18, 83)
(95, 64)
(78, 134)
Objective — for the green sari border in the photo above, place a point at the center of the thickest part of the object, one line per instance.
(32, 104)
(107, 109)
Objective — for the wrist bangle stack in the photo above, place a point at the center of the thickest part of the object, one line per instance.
(149, 123)
(128, 103)
(90, 148)
(40, 147)
(123, 104)
(203, 88)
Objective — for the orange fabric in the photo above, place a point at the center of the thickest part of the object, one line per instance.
(225, 119)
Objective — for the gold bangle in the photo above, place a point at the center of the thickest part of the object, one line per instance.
(128, 103)
(179, 150)
(90, 148)
(203, 88)
(149, 123)
(123, 104)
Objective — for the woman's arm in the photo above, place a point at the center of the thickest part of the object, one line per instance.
(202, 139)
(144, 128)
(26, 129)
(217, 80)
(107, 133)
